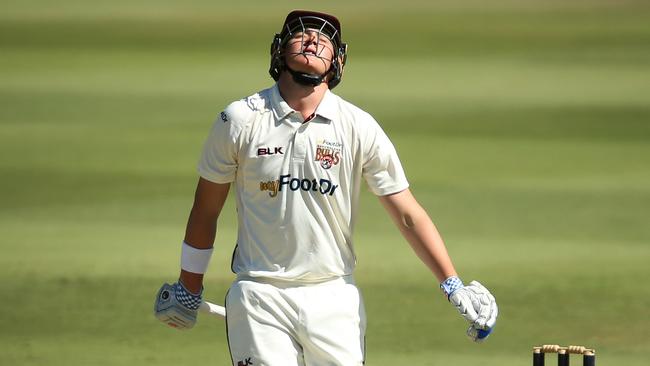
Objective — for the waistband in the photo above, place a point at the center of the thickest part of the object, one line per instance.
(286, 283)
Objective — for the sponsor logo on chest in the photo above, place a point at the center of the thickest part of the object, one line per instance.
(322, 185)
(265, 151)
(328, 153)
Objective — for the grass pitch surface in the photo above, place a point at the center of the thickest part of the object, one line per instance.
(523, 127)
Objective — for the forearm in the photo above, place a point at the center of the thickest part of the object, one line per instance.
(200, 233)
(202, 225)
(474, 302)
(201, 229)
(420, 232)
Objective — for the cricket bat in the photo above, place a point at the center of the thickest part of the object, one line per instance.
(212, 309)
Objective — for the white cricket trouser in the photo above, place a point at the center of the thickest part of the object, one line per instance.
(278, 323)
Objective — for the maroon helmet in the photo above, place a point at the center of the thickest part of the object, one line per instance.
(299, 21)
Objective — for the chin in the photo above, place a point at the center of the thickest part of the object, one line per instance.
(311, 66)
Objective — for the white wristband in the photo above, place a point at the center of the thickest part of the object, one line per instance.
(195, 260)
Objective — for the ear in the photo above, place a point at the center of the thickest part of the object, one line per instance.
(277, 59)
(343, 56)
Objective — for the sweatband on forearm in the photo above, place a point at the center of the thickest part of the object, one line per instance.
(195, 260)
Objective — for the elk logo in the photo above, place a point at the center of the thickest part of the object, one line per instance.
(246, 362)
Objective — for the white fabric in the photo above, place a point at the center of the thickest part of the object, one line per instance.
(298, 184)
(476, 304)
(195, 260)
(288, 324)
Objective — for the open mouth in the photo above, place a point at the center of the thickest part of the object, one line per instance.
(309, 51)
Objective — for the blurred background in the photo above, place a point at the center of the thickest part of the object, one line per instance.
(524, 128)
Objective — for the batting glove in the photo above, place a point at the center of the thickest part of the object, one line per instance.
(176, 306)
(475, 303)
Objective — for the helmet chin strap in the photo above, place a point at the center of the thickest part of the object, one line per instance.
(306, 79)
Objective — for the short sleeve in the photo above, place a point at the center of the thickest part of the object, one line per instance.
(219, 160)
(382, 168)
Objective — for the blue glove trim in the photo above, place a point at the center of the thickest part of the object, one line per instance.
(450, 285)
(482, 333)
(186, 298)
(478, 335)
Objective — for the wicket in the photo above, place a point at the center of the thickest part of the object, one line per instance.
(563, 353)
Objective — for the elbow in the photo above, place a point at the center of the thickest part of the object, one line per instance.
(407, 222)
(411, 220)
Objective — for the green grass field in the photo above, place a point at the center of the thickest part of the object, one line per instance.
(524, 128)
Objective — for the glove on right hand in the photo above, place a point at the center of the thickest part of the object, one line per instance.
(176, 306)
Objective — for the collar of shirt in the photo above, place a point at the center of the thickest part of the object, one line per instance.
(326, 108)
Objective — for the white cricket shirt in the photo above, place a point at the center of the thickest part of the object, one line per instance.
(297, 183)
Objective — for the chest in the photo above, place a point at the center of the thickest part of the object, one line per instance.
(313, 149)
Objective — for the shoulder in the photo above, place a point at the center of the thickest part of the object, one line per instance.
(353, 112)
(241, 112)
(365, 127)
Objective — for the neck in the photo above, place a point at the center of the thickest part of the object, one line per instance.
(304, 99)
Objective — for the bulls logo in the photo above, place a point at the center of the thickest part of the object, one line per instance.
(327, 161)
(328, 153)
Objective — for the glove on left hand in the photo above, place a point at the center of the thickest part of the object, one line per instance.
(475, 303)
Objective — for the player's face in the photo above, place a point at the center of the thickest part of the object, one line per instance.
(310, 52)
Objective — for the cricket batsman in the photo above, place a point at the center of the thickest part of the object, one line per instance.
(297, 155)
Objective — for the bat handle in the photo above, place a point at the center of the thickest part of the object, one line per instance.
(212, 309)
